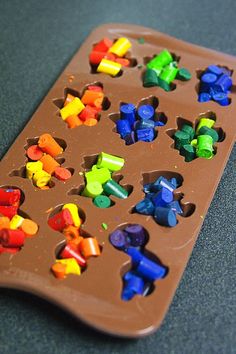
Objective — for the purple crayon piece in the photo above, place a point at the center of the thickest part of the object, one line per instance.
(136, 235)
(118, 239)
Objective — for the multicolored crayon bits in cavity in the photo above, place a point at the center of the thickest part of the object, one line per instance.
(74, 254)
(14, 228)
(42, 162)
(108, 56)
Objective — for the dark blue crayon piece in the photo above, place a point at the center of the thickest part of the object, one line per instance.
(175, 206)
(127, 111)
(123, 127)
(146, 112)
(223, 84)
(145, 134)
(135, 255)
(163, 197)
(221, 98)
(158, 123)
(165, 216)
(204, 97)
(145, 207)
(130, 138)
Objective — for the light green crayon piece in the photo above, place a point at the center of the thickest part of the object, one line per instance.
(162, 59)
(113, 163)
(205, 122)
(101, 175)
(92, 190)
(204, 146)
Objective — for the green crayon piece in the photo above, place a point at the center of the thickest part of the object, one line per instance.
(150, 78)
(188, 151)
(181, 138)
(184, 74)
(113, 188)
(102, 201)
(188, 130)
(204, 146)
(169, 73)
(209, 131)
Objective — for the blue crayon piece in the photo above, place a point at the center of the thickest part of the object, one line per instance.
(133, 286)
(221, 98)
(146, 112)
(174, 182)
(214, 69)
(204, 97)
(135, 255)
(175, 206)
(123, 127)
(145, 124)
(207, 81)
(145, 207)
(127, 111)
(150, 270)
(158, 123)
(223, 84)
(163, 197)
(145, 134)
(165, 216)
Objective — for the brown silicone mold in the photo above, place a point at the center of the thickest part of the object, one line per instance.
(94, 297)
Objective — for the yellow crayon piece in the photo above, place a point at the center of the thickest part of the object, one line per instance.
(72, 266)
(16, 222)
(41, 178)
(205, 122)
(73, 209)
(32, 168)
(120, 47)
(109, 67)
(72, 108)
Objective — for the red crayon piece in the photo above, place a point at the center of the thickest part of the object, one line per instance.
(10, 197)
(88, 112)
(95, 88)
(34, 153)
(8, 211)
(123, 61)
(70, 252)
(95, 57)
(11, 250)
(103, 45)
(12, 238)
(61, 220)
(61, 173)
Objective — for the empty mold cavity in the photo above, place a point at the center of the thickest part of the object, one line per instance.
(162, 78)
(207, 91)
(50, 163)
(102, 185)
(133, 129)
(16, 224)
(129, 61)
(140, 274)
(88, 116)
(162, 198)
(72, 254)
(188, 146)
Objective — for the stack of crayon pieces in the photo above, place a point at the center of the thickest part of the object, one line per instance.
(197, 143)
(99, 182)
(84, 111)
(42, 164)
(72, 258)
(108, 56)
(144, 271)
(14, 228)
